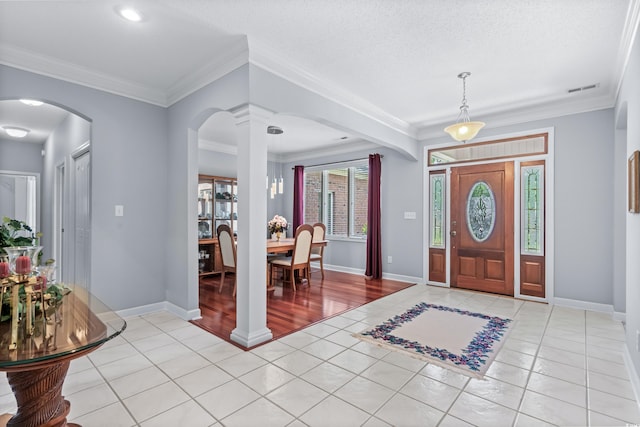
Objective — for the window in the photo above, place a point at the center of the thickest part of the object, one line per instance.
(532, 215)
(337, 197)
(436, 217)
(512, 147)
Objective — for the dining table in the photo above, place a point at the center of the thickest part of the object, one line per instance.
(64, 329)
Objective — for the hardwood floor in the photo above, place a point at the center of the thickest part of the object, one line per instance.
(289, 311)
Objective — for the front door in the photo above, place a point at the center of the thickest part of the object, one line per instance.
(482, 227)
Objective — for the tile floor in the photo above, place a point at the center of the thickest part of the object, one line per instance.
(558, 366)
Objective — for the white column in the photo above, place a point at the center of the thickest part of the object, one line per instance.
(251, 299)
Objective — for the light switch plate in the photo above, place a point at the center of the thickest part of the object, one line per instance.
(119, 210)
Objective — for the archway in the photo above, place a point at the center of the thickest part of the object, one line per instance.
(58, 140)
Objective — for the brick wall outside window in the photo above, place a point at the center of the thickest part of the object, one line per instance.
(338, 187)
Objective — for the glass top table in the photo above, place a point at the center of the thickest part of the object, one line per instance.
(74, 326)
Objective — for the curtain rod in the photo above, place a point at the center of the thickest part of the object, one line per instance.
(337, 163)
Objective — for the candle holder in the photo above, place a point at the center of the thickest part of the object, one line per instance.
(18, 256)
(18, 274)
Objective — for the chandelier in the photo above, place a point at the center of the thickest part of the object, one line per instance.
(464, 129)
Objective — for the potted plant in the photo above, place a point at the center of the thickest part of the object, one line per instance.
(17, 233)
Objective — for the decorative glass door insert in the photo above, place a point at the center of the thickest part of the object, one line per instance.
(481, 211)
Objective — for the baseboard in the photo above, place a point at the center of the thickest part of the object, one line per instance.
(401, 278)
(633, 374)
(621, 317)
(343, 269)
(583, 305)
(390, 276)
(160, 306)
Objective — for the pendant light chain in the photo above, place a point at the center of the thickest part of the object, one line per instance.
(464, 108)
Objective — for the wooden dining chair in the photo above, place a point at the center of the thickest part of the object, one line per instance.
(319, 231)
(299, 260)
(228, 253)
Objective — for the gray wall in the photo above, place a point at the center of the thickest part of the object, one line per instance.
(145, 158)
(401, 190)
(216, 163)
(20, 156)
(129, 167)
(183, 120)
(584, 146)
(71, 133)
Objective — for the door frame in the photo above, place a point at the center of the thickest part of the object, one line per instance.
(70, 213)
(59, 218)
(548, 209)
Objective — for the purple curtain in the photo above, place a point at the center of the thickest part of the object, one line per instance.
(374, 240)
(298, 197)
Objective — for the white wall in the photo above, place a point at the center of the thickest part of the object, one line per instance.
(629, 102)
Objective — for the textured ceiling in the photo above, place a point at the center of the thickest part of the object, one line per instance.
(395, 60)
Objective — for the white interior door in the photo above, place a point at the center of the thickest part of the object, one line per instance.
(81, 205)
(59, 223)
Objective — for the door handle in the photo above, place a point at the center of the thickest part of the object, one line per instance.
(453, 233)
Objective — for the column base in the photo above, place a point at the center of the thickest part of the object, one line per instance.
(246, 340)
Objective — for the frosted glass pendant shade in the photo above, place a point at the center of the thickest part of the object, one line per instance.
(464, 131)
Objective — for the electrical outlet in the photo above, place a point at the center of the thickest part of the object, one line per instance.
(389, 259)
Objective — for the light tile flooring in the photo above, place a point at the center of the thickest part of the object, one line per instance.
(558, 366)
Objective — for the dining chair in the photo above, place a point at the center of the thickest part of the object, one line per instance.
(228, 253)
(317, 252)
(299, 260)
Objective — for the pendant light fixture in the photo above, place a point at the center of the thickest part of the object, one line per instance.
(464, 129)
(275, 187)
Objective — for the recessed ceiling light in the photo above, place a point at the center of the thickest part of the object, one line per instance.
(130, 14)
(32, 102)
(15, 132)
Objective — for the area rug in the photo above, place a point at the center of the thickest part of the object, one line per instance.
(460, 340)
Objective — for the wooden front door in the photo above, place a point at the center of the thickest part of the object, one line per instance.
(482, 227)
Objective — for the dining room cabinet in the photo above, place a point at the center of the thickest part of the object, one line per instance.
(217, 204)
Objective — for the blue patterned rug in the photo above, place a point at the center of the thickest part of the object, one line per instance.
(460, 340)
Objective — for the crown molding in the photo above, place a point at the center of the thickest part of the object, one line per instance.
(350, 147)
(234, 56)
(66, 71)
(275, 63)
(628, 36)
(515, 114)
(245, 112)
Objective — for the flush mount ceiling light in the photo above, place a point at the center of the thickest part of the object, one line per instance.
(130, 14)
(15, 131)
(32, 102)
(464, 129)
